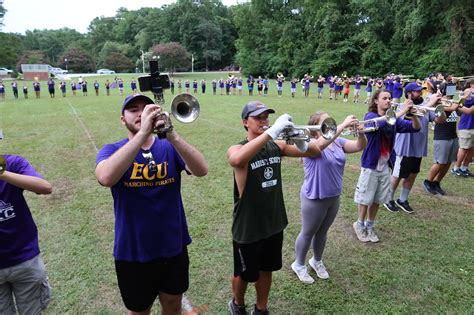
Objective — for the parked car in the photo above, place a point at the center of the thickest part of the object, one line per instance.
(57, 71)
(105, 71)
(5, 71)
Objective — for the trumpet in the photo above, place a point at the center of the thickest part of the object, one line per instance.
(184, 107)
(449, 103)
(303, 132)
(371, 125)
(3, 164)
(280, 76)
(421, 110)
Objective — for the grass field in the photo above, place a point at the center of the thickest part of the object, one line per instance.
(423, 264)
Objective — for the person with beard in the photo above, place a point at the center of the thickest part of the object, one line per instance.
(374, 181)
(151, 234)
(410, 148)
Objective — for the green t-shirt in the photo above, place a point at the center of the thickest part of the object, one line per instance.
(260, 212)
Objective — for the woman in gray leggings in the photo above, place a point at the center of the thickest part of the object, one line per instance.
(320, 196)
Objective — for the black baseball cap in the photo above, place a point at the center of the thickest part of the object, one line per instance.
(132, 98)
(255, 108)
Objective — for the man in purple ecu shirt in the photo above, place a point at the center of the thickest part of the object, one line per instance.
(23, 279)
(151, 233)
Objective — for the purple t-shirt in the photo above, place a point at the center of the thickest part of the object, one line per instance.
(467, 120)
(323, 173)
(18, 232)
(149, 216)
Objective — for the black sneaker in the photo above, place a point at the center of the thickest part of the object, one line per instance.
(405, 206)
(235, 309)
(256, 311)
(467, 173)
(430, 187)
(438, 188)
(391, 206)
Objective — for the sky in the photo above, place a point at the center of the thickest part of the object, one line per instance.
(23, 15)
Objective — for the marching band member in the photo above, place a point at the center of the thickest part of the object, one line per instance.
(466, 133)
(259, 217)
(321, 81)
(410, 148)
(374, 181)
(320, 195)
(397, 90)
(279, 83)
(293, 82)
(368, 89)
(331, 83)
(357, 84)
(347, 88)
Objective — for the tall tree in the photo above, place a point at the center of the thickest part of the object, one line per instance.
(172, 56)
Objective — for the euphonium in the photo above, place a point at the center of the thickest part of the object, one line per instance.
(299, 132)
(370, 125)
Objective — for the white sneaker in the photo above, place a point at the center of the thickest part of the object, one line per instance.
(302, 273)
(372, 236)
(319, 268)
(360, 232)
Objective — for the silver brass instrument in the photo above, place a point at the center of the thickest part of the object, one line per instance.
(370, 125)
(327, 128)
(449, 103)
(184, 107)
(3, 164)
(421, 110)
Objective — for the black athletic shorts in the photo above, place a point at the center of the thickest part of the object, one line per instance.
(406, 165)
(140, 283)
(263, 255)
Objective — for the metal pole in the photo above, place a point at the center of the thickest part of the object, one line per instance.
(192, 62)
(143, 60)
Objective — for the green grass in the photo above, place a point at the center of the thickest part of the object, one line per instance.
(423, 263)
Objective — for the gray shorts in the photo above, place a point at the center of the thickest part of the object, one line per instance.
(466, 138)
(445, 151)
(372, 187)
(28, 282)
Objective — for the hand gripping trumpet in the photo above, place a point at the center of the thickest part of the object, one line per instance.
(184, 107)
(370, 125)
(421, 110)
(327, 128)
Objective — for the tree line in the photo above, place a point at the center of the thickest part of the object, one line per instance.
(263, 37)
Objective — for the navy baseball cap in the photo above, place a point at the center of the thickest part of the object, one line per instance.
(131, 98)
(413, 86)
(255, 108)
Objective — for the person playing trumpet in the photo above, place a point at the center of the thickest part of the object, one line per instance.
(151, 234)
(410, 149)
(320, 195)
(321, 81)
(279, 84)
(374, 181)
(259, 216)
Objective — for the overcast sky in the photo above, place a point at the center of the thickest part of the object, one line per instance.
(23, 15)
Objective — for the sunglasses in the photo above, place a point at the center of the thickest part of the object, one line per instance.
(151, 162)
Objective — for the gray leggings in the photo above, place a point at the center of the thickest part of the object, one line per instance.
(317, 215)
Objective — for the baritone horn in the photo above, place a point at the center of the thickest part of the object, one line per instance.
(303, 132)
(184, 108)
(370, 125)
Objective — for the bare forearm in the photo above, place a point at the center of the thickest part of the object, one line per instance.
(240, 157)
(26, 182)
(194, 159)
(109, 172)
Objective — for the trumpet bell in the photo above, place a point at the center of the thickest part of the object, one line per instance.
(328, 128)
(391, 117)
(185, 108)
